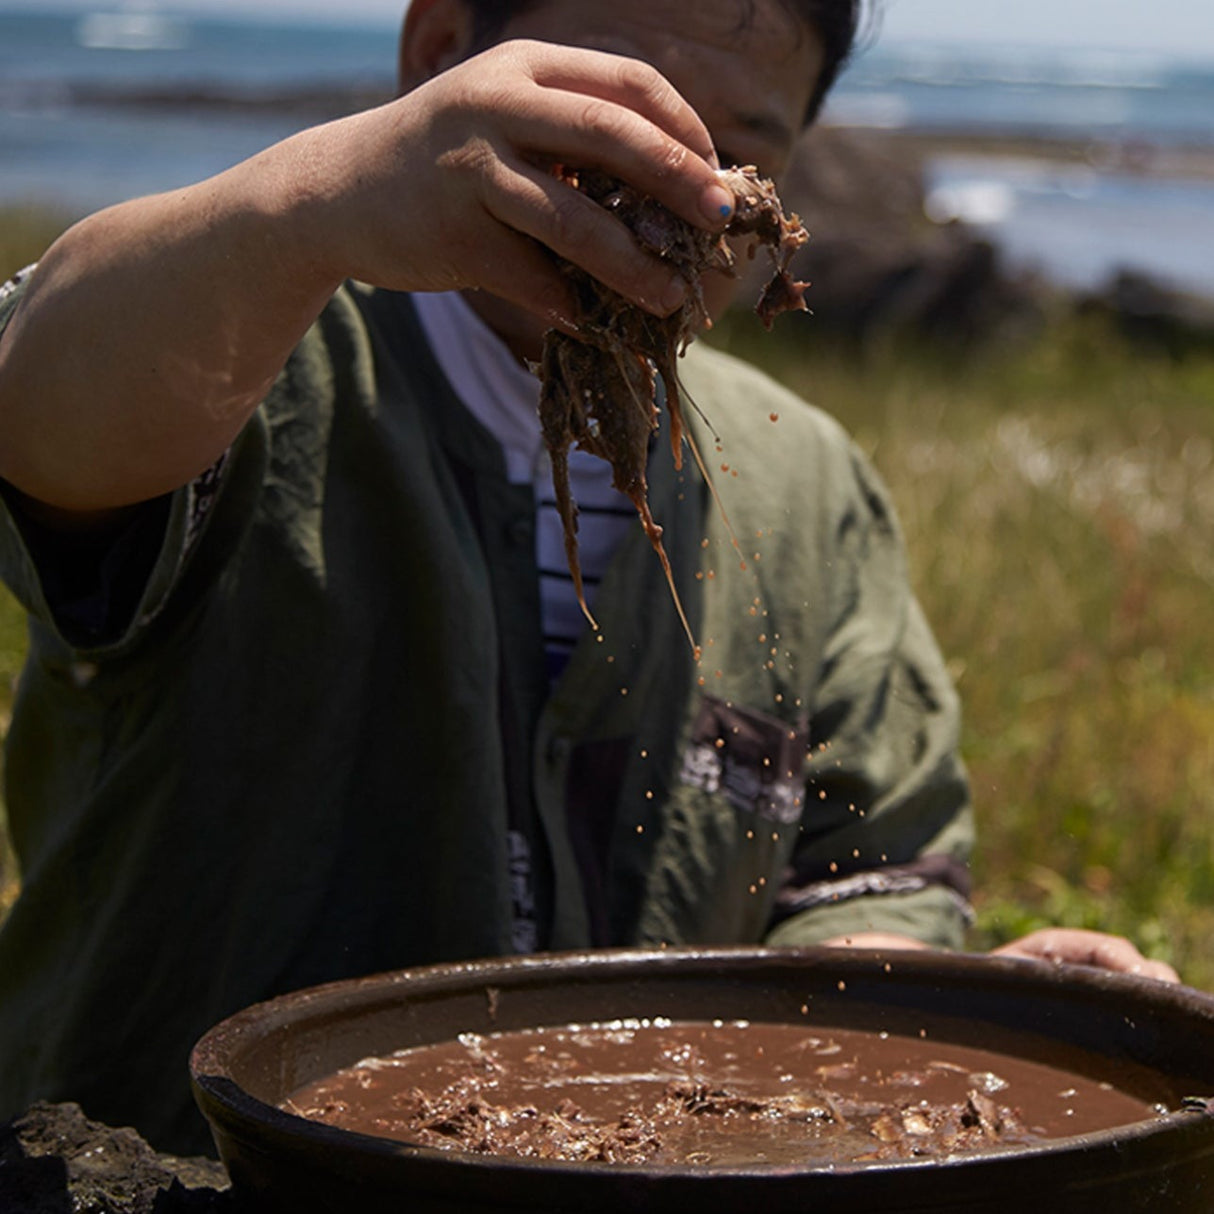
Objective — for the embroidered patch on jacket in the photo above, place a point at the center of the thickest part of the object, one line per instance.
(754, 760)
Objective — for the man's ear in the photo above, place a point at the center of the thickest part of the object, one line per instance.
(436, 35)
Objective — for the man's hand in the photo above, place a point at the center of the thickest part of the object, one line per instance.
(1073, 946)
(449, 186)
(182, 308)
(1060, 945)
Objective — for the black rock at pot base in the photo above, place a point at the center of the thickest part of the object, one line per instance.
(54, 1160)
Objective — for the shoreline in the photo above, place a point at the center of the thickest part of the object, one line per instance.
(1137, 154)
(1134, 156)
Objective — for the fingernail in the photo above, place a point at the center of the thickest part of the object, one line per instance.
(716, 203)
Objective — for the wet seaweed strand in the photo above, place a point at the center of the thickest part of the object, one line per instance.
(599, 388)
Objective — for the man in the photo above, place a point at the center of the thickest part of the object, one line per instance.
(302, 700)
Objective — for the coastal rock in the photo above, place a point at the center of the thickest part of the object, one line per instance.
(54, 1160)
(1153, 314)
(879, 268)
(882, 271)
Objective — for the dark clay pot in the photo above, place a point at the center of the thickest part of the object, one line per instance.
(1150, 1039)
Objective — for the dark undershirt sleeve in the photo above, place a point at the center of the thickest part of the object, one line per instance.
(93, 582)
(97, 591)
(87, 585)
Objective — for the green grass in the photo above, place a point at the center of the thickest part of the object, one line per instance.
(1058, 500)
(24, 234)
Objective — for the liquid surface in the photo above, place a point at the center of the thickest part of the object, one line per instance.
(723, 1093)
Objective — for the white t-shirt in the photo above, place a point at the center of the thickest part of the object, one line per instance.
(503, 396)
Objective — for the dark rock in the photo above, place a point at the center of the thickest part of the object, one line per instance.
(53, 1160)
(879, 268)
(1154, 314)
(949, 287)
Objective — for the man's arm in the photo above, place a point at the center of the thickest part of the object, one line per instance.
(887, 828)
(150, 331)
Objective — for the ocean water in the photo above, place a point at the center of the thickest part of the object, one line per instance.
(72, 135)
(1076, 223)
(44, 46)
(1110, 95)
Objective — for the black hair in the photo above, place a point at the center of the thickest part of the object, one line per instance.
(836, 22)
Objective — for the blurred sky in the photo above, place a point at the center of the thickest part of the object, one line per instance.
(1184, 27)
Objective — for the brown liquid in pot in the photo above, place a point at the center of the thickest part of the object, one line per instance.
(725, 1094)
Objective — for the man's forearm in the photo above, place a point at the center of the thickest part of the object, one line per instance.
(150, 331)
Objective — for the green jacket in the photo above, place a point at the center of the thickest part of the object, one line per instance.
(296, 756)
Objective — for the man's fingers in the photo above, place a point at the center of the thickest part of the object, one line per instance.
(583, 119)
(627, 82)
(1159, 970)
(566, 221)
(592, 133)
(516, 269)
(1073, 946)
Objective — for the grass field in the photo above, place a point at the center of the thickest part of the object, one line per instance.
(1058, 501)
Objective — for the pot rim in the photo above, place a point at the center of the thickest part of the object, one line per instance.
(244, 1115)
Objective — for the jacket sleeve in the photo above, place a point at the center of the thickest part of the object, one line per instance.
(887, 826)
(97, 595)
